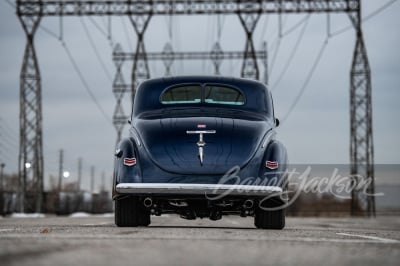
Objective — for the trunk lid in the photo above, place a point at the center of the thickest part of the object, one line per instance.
(174, 150)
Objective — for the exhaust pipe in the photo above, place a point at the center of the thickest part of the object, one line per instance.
(147, 202)
(248, 204)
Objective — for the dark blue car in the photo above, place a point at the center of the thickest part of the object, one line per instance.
(201, 146)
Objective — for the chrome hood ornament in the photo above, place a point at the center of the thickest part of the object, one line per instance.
(201, 143)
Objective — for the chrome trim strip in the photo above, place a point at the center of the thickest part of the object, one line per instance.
(201, 131)
(268, 137)
(196, 189)
(135, 136)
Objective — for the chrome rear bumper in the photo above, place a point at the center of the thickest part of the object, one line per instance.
(197, 189)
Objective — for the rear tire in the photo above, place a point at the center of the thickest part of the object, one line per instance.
(130, 212)
(265, 219)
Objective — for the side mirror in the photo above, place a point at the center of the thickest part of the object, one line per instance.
(277, 122)
(129, 122)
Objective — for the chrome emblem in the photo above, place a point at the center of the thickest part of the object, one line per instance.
(201, 143)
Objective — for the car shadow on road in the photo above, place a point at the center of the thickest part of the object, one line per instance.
(199, 227)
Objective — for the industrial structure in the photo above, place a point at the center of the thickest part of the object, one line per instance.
(30, 13)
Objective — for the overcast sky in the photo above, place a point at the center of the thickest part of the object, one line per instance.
(317, 131)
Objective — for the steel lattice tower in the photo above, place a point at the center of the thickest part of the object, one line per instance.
(361, 139)
(119, 90)
(140, 70)
(31, 152)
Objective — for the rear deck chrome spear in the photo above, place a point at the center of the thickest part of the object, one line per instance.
(201, 143)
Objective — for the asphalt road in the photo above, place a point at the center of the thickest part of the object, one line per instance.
(173, 241)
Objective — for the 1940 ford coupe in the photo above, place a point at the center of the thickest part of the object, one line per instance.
(201, 146)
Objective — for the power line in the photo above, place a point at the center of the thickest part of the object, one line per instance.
(96, 51)
(378, 10)
(278, 40)
(208, 25)
(126, 33)
(11, 133)
(298, 24)
(4, 138)
(10, 3)
(303, 88)
(221, 24)
(45, 29)
(8, 143)
(278, 45)
(5, 157)
(264, 29)
(178, 39)
(105, 24)
(76, 68)
(11, 140)
(5, 145)
(85, 84)
(98, 27)
(308, 79)
(293, 52)
(106, 34)
(365, 18)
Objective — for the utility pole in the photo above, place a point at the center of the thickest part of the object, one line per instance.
(92, 169)
(2, 165)
(2, 192)
(60, 170)
(79, 174)
(103, 179)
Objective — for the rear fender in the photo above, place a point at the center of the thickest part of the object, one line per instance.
(124, 171)
(274, 164)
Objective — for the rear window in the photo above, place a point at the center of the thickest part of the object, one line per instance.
(182, 95)
(223, 95)
(211, 94)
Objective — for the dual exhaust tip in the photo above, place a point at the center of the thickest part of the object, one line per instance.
(148, 202)
(248, 204)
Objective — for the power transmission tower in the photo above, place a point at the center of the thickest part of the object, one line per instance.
(2, 165)
(168, 58)
(248, 11)
(31, 147)
(79, 174)
(103, 181)
(60, 170)
(119, 90)
(265, 63)
(250, 66)
(361, 139)
(92, 173)
(140, 70)
(217, 55)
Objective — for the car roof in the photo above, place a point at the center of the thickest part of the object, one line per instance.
(201, 79)
(148, 93)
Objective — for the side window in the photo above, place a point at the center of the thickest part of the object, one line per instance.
(223, 95)
(182, 94)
